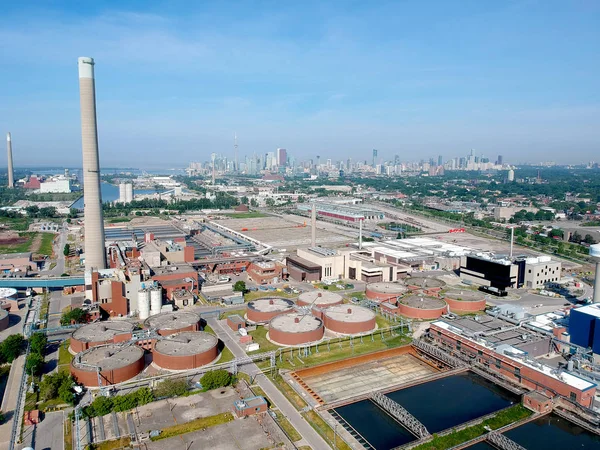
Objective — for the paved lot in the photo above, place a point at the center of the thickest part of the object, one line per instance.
(48, 434)
(364, 378)
(239, 434)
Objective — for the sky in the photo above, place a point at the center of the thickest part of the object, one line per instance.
(175, 80)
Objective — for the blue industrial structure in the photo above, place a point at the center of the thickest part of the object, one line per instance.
(48, 283)
(584, 327)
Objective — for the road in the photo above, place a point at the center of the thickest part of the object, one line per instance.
(59, 269)
(9, 402)
(48, 434)
(278, 399)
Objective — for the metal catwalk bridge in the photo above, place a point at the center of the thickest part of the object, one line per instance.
(502, 442)
(401, 415)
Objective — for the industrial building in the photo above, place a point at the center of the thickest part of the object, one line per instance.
(511, 352)
(345, 213)
(4, 319)
(173, 322)
(320, 299)
(464, 300)
(107, 364)
(56, 185)
(540, 271)
(100, 333)
(17, 263)
(383, 292)
(296, 329)
(584, 327)
(264, 309)
(266, 272)
(349, 319)
(185, 350)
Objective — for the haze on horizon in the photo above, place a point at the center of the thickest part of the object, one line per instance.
(336, 79)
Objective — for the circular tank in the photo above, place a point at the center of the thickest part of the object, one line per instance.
(8, 294)
(385, 291)
(422, 307)
(144, 304)
(464, 300)
(115, 362)
(4, 319)
(155, 301)
(295, 329)
(595, 251)
(349, 319)
(185, 350)
(173, 322)
(264, 309)
(416, 282)
(99, 333)
(320, 299)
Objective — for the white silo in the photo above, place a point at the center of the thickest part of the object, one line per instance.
(155, 300)
(128, 192)
(122, 193)
(511, 175)
(144, 304)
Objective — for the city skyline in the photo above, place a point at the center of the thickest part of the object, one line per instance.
(316, 80)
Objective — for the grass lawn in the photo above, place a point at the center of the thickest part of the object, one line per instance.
(50, 404)
(289, 392)
(336, 352)
(46, 245)
(382, 322)
(64, 357)
(17, 224)
(226, 355)
(118, 219)
(245, 215)
(503, 418)
(68, 436)
(203, 422)
(249, 296)
(259, 336)
(233, 312)
(124, 442)
(19, 247)
(288, 427)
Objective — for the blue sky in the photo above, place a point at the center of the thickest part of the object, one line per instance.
(175, 80)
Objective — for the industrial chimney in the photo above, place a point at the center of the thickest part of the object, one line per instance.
(95, 254)
(11, 179)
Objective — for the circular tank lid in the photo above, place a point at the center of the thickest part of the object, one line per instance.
(296, 323)
(7, 292)
(271, 304)
(119, 356)
(102, 331)
(320, 297)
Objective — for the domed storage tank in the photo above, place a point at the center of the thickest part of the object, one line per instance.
(464, 300)
(185, 350)
(173, 322)
(99, 333)
(144, 304)
(155, 301)
(264, 309)
(4, 319)
(385, 291)
(8, 294)
(349, 319)
(116, 363)
(320, 299)
(422, 307)
(295, 329)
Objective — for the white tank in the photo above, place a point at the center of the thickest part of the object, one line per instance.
(144, 304)
(155, 301)
(122, 194)
(128, 193)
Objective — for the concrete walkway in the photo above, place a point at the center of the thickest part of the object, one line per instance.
(302, 426)
(9, 402)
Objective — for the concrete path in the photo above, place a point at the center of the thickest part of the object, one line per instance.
(9, 402)
(302, 426)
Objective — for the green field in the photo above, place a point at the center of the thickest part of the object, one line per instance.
(259, 336)
(46, 245)
(20, 247)
(245, 215)
(118, 219)
(20, 224)
(249, 296)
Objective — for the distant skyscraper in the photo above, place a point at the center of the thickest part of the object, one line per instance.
(11, 180)
(281, 157)
(440, 160)
(374, 156)
(499, 160)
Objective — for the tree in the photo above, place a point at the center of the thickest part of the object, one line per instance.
(51, 383)
(67, 250)
(34, 364)
(239, 286)
(76, 315)
(254, 203)
(576, 237)
(12, 347)
(588, 239)
(171, 388)
(270, 202)
(214, 379)
(65, 392)
(244, 200)
(101, 406)
(144, 396)
(38, 343)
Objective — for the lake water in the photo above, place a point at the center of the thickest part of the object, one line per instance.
(110, 193)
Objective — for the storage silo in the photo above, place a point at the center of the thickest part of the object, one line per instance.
(122, 193)
(155, 301)
(144, 304)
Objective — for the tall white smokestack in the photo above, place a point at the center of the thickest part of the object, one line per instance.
(360, 225)
(313, 225)
(11, 177)
(95, 253)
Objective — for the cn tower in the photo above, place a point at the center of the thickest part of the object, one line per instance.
(95, 253)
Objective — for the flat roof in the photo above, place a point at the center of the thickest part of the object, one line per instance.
(320, 297)
(287, 322)
(15, 255)
(172, 320)
(271, 304)
(349, 313)
(186, 343)
(101, 331)
(109, 357)
(592, 310)
(422, 302)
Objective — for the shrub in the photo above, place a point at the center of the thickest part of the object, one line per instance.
(11, 347)
(215, 379)
(171, 388)
(144, 396)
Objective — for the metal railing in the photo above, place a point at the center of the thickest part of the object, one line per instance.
(401, 415)
(502, 442)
